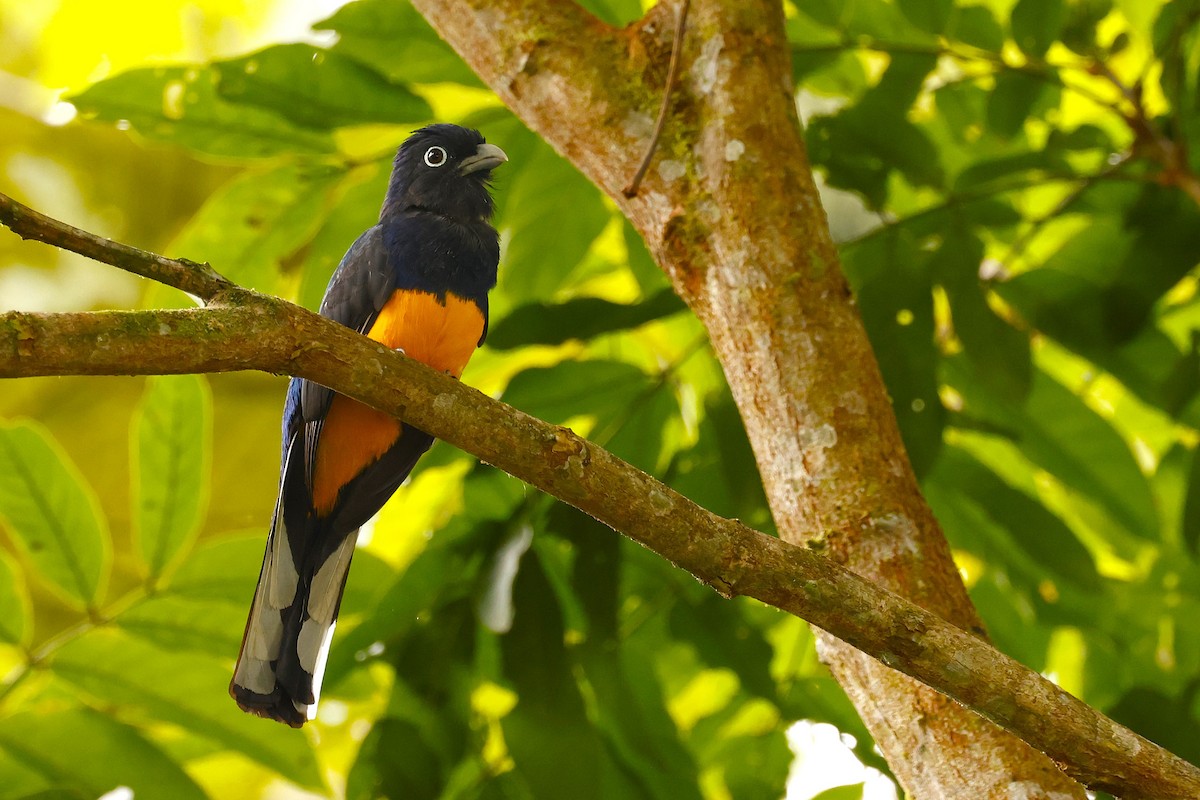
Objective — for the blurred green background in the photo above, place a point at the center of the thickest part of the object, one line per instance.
(1024, 263)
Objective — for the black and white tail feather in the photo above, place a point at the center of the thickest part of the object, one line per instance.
(292, 619)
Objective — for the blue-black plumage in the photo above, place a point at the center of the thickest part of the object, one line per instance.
(417, 281)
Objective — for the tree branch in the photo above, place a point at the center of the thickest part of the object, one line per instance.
(268, 334)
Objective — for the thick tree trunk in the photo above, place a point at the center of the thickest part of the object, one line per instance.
(730, 211)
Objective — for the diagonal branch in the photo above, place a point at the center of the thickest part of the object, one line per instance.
(268, 334)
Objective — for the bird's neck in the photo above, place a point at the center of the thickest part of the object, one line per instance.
(470, 205)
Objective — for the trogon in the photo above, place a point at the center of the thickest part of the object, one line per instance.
(418, 282)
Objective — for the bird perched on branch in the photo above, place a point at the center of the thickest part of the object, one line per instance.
(417, 282)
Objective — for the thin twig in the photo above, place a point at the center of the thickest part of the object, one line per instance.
(200, 280)
(672, 72)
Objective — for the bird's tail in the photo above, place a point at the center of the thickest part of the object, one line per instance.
(295, 608)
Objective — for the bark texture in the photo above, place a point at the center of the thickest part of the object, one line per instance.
(730, 212)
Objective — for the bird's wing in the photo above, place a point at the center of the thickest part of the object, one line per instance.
(307, 557)
(357, 292)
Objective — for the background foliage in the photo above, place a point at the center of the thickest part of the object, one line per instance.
(1015, 187)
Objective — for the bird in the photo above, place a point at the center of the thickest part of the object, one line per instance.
(417, 281)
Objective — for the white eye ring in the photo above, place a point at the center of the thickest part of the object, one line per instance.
(435, 156)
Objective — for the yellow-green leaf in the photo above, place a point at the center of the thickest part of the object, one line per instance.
(172, 454)
(52, 513)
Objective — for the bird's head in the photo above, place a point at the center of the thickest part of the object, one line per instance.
(443, 169)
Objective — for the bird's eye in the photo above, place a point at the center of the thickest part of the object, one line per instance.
(435, 156)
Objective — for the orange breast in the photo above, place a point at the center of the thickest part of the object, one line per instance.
(442, 335)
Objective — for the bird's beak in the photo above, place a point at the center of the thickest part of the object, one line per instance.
(487, 156)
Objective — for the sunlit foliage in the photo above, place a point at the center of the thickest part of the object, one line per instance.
(1023, 249)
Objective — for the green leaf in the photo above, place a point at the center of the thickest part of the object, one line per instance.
(1182, 383)
(1100, 288)
(629, 700)
(181, 624)
(877, 19)
(928, 15)
(358, 201)
(646, 272)
(1064, 306)
(961, 108)
(394, 39)
(186, 689)
(603, 389)
(172, 457)
(20, 780)
(1058, 431)
(443, 573)
(1166, 228)
(1036, 24)
(830, 13)
(719, 472)
(317, 89)
(1083, 137)
(260, 223)
(851, 791)
(1174, 16)
(862, 145)
(755, 767)
(1030, 165)
(580, 318)
(837, 73)
(896, 301)
(712, 625)
(977, 26)
(1191, 505)
(1083, 18)
(1012, 621)
(546, 245)
(83, 751)
(1012, 101)
(999, 352)
(639, 726)
(181, 105)
(221, 570)
(643, 430)
(1047, 543)
(16, 620)
(554, 745)
(380, 773)
(52, 513)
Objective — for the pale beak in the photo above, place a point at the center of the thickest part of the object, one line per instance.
(487, 156)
